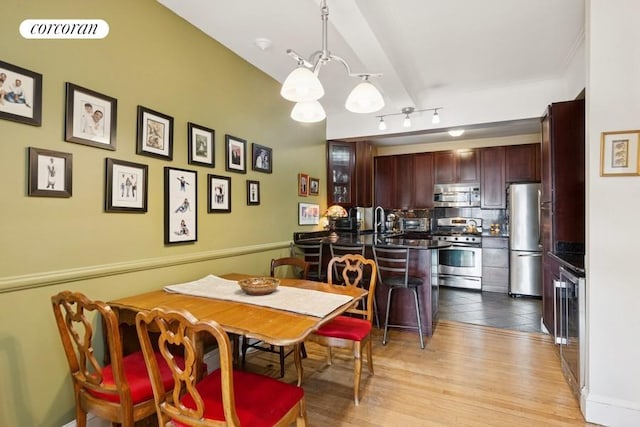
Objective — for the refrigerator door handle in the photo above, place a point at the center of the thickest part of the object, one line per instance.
(532, 254)
(539, 218)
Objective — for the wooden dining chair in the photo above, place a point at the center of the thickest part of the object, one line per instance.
(311, 252)
(352, 330)
(300, 270)
(223, 397)
(120, 391)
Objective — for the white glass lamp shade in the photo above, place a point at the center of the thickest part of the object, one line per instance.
(456, 132)
(407, 122)
(436, 118)
(364, 98)
(301, 85)
(308, 112)
(382, 125)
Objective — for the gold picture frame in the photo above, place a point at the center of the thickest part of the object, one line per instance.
(619, 153)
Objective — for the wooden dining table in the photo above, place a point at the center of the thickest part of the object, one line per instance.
(271, 325)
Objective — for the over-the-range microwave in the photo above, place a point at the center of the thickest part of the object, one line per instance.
(456, 195)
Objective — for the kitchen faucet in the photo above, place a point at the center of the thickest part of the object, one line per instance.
(378, 216)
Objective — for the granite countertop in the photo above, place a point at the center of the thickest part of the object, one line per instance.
(571, 260)
(500, 234)
(389, 239)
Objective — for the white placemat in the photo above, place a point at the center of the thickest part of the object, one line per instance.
(297, 300)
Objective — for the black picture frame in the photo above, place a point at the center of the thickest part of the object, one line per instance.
(154, 134)
(25, 103)
(262, 158)
(126, 186)
(90, 117)
(235, 153)
(201, 143)
(314, 186)
(180, 205)
(218, 194)
(50, 173)
(253, 192)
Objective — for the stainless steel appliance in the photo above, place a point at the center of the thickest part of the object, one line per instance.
(414, 224)
(460, 265)
(525, 249)
(456, 195)
(570, 327)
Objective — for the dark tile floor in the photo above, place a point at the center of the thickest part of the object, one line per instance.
(490, 309)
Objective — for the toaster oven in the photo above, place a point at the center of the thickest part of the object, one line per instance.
(414, 224)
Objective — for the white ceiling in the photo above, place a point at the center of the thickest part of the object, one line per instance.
(493, 65)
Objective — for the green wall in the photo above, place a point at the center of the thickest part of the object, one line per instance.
(155, 59)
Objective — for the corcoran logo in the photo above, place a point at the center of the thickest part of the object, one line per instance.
(64, 29)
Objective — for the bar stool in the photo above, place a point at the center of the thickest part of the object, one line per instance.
(312, 254)
(340, 250)
(393, 271)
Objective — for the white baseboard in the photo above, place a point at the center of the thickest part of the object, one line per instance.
(611, 412)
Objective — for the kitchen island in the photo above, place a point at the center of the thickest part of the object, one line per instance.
(423, 263)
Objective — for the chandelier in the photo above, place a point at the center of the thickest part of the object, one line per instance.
(303, 87)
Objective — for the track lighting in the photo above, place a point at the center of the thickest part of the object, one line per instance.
(303, 86)
(406, 112)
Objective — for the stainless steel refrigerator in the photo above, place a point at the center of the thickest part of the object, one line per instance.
(525, 248)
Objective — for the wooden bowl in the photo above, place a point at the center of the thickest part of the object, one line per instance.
(259, 285)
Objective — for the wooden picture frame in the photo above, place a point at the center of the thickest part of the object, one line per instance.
(126, 186)
(308, 214)
(21, 92)
(50, 173)
(218, 194)
(619, 153)
(253, 192)
(314, 186)
(90, 117)
(180, 205)
(236, 154)
(262, 158)
(303, 184)
(201, 143)
(154, 134)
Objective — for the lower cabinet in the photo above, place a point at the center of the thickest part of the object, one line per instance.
(495, 264)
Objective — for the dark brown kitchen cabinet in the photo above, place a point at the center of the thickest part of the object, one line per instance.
(423, 180)
(385, 181)
(492, 178)
(522, 163)
(495, 264)
(404, 181)
(456, 166)
(349, 173)
(562, 209)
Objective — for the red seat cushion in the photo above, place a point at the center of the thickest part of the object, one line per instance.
(138, 378)
(350, 328)
(260, 400)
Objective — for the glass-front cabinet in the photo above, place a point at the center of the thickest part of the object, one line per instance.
(341, 166)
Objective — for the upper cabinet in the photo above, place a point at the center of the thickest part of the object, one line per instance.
(522, 163)
(492, 178)
(349, 173)
(456, 166)
(404, 181)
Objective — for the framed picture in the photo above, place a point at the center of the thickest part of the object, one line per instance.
(125, 186)
(21, 92)
(314, 186)
(49, 173)
(303, 184)
(308, 213)
(253, 192)
(90, 118)
(219, 194)
(236, 154)
(154, 134)
(180, 205)
(262, 158)
(201, 145)
(619, 153)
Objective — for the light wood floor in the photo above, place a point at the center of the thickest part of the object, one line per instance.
(467, 375)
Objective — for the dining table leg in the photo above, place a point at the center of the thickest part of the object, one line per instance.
(298, 360)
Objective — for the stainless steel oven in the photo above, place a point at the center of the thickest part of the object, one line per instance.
(460, 265)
